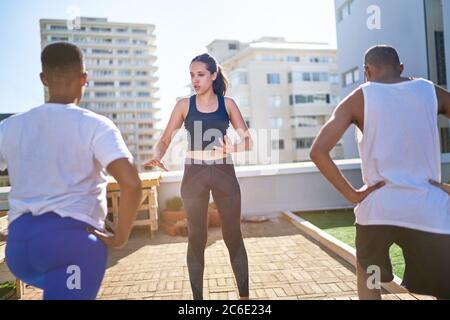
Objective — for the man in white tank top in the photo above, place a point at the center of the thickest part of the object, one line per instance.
(402, 201)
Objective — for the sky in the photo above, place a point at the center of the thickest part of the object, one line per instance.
(183, 29)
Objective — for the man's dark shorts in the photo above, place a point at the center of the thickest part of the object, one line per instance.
(427, 257)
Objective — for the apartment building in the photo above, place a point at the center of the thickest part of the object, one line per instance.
(120, 59)
(287, 89)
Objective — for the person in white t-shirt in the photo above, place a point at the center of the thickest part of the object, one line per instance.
(402, 201)
(56, 155)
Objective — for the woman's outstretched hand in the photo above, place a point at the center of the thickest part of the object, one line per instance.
(156, 163)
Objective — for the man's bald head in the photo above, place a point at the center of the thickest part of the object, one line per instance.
(382, 55)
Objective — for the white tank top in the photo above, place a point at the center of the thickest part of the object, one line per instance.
(400, 146)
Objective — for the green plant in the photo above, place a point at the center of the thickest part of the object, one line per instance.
(174, 204)
(7, 290)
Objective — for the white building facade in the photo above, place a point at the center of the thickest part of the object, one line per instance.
(286, 92)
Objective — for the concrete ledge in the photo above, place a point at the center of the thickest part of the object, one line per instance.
(338, 247)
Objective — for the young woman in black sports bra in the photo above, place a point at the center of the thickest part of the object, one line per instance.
(209, 168)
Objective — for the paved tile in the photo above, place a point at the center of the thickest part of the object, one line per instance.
(283, 263)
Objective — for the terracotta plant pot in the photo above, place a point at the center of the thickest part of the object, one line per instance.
(172, 217)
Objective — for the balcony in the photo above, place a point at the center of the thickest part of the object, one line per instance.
(284, 262)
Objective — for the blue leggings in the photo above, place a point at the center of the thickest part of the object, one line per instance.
(57, 255)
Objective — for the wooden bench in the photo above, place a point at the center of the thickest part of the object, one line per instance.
(148, 211)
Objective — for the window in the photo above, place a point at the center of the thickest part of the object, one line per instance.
(276, 123)
(145, 126)
(238, 78)
(124, 62)
(125, 83)
(141, 73)
(320, 98)
(101, 51)
(356, 75)
(141, 42)
(293, 59)
(273, 78)
(101, 40)
(145, 137)
(303, 143)
(123, 51)
(445, 140)
(440, 58)
(145, 115)
(275, 101)
(103, 72)
(79, 39)
(59, 39)
(269, 58)
(105, 94)
(121, 30)
(55, 27)
(297, 77)
(143, 105)
(103, 84)
(143, 94)
(321, 59)
(128, 126)
(105, 105)
(307, 121)
(125, 73)
(142, 83)
(96, 29)
(350, 77)
(139, 31)
(277, 144)
(333, 78)
(232, 46)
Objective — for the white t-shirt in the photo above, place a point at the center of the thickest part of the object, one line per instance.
(56, 157)
(400, 146)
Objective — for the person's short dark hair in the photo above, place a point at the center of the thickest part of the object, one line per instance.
(382, 55)
(62, 57)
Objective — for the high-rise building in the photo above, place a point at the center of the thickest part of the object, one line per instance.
(120, 59)
(418, 29)
(289, 87)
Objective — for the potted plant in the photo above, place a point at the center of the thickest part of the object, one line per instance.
(173, 215)
(174, 210)
(213, 216)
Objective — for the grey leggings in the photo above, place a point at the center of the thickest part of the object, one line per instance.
(220, 179)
